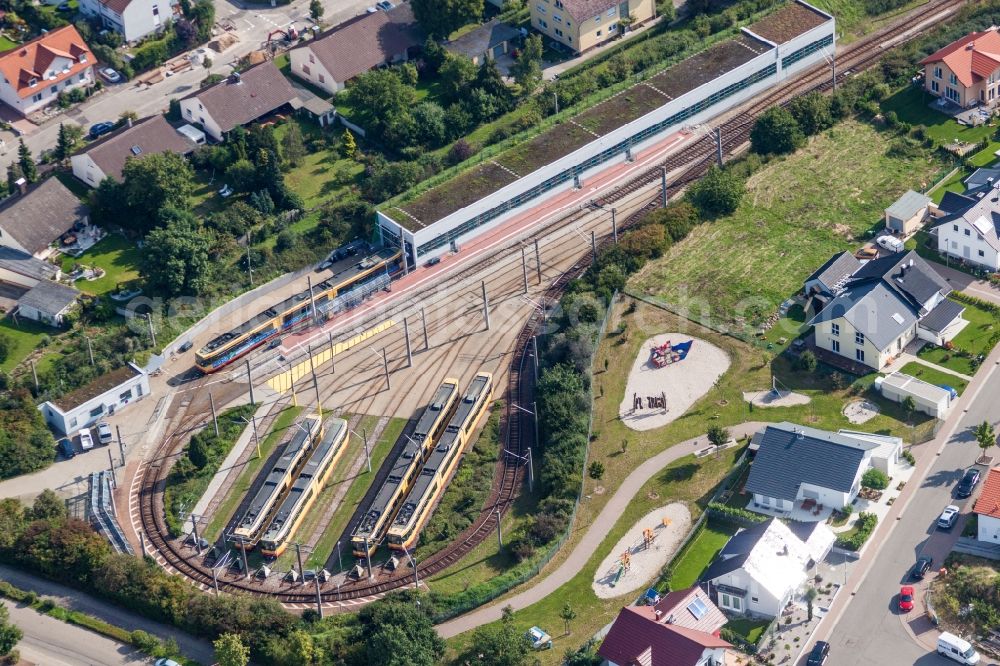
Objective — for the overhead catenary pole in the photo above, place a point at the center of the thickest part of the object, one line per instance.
(718, 145)
(534, 411)
(215, 420)
(291, 384)
(531, 472)
(298, 557)
(534, 355)
(364, 440)
(499, 531)
(486, 305)
(90, 350)
(246, 567)
(524, 269)
(34, 373)
(409, 350)
(402, 247)
(312, 369)
(121, 444)
(385, 367)
(423, 321)
(340, 558)
(319, 598)
(215, 580)
(256, 439)
(194, 529)
(152, 333)
(538, 262)
(368, 556)
(249, 262)
(312, 298)
(614, 225)
(663, 187)
(593, 244)
(555, 96)
(330, 342)
(111, 461)
(250, 383)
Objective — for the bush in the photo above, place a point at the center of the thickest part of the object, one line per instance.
(908, 457)
(596, 470)
(855, 539)
(731, 514)
(875, 479)
(847, 509)
(806, 361)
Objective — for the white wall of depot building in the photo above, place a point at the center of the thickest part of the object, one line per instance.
(586, 152)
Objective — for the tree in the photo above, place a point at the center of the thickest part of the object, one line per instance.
(527, 69)
(10, 634)
(490, 81)
(198, 450)
(153, 184)
(203, 14)
(230, 650)
(568, 615)
(718, 435)
(316, 10)
(596, 470)
(909, 405)
(985, 435)
(206, 62)
(810, 596)
(456, 74)
(382, 104)
(13, 175)
(440, 18)
(718, 193)
(776, 132)
(69, 137)
(460, 151)
(430, 122)
(807, 361)
(48, 506)
(812, 112)
(6, 344)
(348, 146)
(26, 162)
(875, 479)
(175, 260)
(498, 643)
(399, 633)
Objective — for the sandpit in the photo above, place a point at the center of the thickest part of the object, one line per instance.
(682, 382)
(860, 411)
(645, 563)
(772, 398)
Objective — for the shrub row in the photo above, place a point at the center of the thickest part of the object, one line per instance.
(736, 516)
(864, 527)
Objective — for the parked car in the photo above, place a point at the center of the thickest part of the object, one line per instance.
(225, 191)
(100, 129)
(384, 5)
(906, 598)
(165, 662)
(110, 75)
(539, 639)
(968, 483)
(920, 568)
(819, 654)
(86, 441)
(890, 243)
(185, 346)
(66, 448)
(371, 10)
(104, 435)
(948, 517)
(957, 649)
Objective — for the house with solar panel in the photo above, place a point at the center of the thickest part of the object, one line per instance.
(865, 317)
(967, 232)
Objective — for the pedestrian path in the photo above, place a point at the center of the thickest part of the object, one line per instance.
(906, 357)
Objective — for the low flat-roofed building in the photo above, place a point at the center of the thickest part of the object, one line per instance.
(101, 397)
(929, 398)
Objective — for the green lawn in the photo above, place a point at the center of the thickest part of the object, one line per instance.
(748, 628)
(249, 473)
(974, 338)
(911, 104)
(322, 175)
(6, 43)
(699, 554)
(25, 336)
(953, 183)
(936, 377)
(986, 156)
(116, 255)
(797, 213)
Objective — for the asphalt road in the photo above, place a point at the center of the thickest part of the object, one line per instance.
(871, 631)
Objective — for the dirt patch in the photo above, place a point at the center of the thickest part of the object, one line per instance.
(772, 398)
(860, 411)
(682, 382)
(667, 525)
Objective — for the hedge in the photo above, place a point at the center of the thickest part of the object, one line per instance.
(864, 527)
(731, 514)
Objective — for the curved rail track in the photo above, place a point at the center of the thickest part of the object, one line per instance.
(692, 162)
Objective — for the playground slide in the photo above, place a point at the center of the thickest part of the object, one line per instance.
(682, 349)
(618, 576)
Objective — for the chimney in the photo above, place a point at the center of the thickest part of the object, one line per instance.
(911, 263)
(22, 185)
(128, 121)
(658, 614)
(235, 78)
(784, 549)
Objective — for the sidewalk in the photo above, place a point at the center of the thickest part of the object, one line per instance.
(595, 534)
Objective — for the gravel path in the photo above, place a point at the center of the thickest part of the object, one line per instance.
(682, 383)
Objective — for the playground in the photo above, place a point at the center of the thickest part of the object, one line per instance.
(670, 373)
(639, 555)
(777, 396)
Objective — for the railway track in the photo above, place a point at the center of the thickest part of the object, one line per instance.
(688, 164)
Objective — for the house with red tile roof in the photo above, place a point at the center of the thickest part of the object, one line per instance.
(133, 19)
(681, 629)
(987, 508)
(967, 71)
(36, 72)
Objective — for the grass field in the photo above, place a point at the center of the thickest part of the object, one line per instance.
(748, 629)
(974, 338)
(249, 473)
(116, 255)
(699, 554)
(911, 104)
(797, 213)
(936, 377)
(322, 175)
(25, 336)
(7, 43)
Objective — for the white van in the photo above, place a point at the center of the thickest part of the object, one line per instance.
(957, 649)
(86, 441)
(890, 243)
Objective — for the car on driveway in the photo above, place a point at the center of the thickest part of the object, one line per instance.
(100, 129)
(384, 5)
(86, 441)
(920, 568)
(104, 435)
(968, 483)
(110, 75)
(66, 448)
(948, 517)
(906, 598)
(819, 654)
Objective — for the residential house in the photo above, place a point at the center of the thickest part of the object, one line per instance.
(238, 100)
(803, 473)
(908, 213)
(356, 46)
(882, 307)
(681, 629)
(987, 508)
(968, 231)
(106, 157)
(489, 41)
(101, 397)
(829, 279)
(966, 71)
(760, 569)
(132, 19)
(47, 302)
(19, 272)
(583, 24)
(37, 71)
(928, 398)
(39, 219)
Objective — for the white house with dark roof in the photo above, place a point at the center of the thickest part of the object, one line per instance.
(238, 100)
(969, 230)
(47, 302)
(881, 307)
(803, 473)
(37, 220)
(106, 157)
(360, 44)
(760, 569)
(491, 40)
(908, 213)
(102, 397)
(133, 19)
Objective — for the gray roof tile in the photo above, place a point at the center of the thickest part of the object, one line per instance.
(147, 137)
(259, 91)
(48, 297)
(37, 219)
